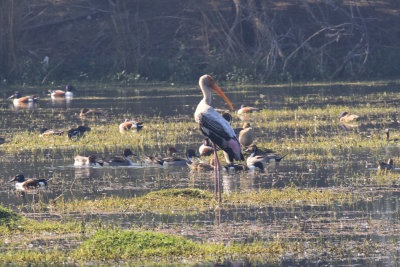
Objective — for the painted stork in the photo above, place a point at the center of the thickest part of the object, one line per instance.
(216, 128)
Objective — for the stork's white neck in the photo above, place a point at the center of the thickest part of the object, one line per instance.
(205, 88)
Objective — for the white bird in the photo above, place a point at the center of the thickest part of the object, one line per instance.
(216, 128)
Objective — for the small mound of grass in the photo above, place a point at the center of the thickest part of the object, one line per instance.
(117, 245)
(7, 216)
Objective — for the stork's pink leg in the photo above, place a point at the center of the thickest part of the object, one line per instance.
(217, 175)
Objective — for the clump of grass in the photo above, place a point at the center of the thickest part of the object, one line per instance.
(123, 245)
(17, 256)
(7, 216)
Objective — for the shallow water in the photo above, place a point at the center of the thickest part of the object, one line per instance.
(349, 170)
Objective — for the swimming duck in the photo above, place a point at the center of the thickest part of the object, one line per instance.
(130, 125)
(91, 112)
(176, 161)
(247, 109)
(158, 160)
(206, 148)
(22, 184)
(78, 132)
(86, 161)
(382, 166)
(236, 167)
(256, 160)
(120, 161)
(18, 99)
(246, 135)
(196, 166)
(60, 93)
(346, 117)
(47, 132)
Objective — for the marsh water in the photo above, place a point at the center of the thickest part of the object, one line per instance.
(372, 221)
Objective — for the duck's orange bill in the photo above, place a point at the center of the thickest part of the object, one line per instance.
(218, 90)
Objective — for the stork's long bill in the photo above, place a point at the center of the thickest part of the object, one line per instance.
(218, 90)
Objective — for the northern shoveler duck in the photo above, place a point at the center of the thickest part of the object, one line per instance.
(246, 135)
(255, 160)
(382, 166)
(346, 117)
(91, 112)
(78, 132)
(206, 148)
(86, 161)
(120, 161)
(200, 166)
(22, 184)
(47, 132)
(247, 109)
(130, 125)
(68, 93)
(18, 99)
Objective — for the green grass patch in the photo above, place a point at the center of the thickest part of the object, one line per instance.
(188, 200)
(117, 245)
(289, 195)
(164, 201)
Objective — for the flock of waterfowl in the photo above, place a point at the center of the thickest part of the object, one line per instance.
(215, 126)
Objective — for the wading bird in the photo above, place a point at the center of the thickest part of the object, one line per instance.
(216, 128)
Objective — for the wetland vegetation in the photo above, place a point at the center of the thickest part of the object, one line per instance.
(325, 202)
